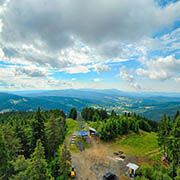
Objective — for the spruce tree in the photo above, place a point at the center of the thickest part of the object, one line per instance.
(38, 129)
(65, 162)
(39, 167)
(73, 113)
(4, 158)
(55, 133)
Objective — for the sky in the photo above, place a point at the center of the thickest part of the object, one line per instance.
(61, 44)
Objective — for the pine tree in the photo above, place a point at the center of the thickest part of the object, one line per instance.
(4, 158)
(21, 166)
(12, 142)
(177, 114)
(55, 133)
(73, 113)
(23, 139)
(65, 162)
(164, 132)
(113, 113)
(39, 167)
(174, 145)
(38, 129)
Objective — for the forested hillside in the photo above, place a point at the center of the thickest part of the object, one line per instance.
(151, 106)
(33, 145)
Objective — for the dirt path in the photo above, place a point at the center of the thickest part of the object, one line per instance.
(97, 160)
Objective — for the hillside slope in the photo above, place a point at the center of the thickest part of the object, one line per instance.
(152, 106)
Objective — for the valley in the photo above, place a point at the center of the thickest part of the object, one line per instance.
(152, 106)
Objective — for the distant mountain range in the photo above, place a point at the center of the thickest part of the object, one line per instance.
(151, 105)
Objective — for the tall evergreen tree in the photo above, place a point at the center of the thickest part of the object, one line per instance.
(38, 131)
(55, 133)
(21, 166)
(65, 163)
(39, 167)
(23, 140)
(174, 145)
(113, 113)
(164, 132)
(73, 113)
(4, 158)
(12, 142)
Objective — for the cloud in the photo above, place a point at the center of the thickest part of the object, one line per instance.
(102, 68)
(77, 69)
(20, 79)
(162, 68)
(127, 76)
(56, 25)
(31, 71)
(73, 79)
(1, 54)
(96, 80)
(41, 36)
(177, 79)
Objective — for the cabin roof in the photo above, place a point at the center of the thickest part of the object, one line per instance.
(92, 129)
(132, 166)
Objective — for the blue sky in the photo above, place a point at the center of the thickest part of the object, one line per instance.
(127, 45)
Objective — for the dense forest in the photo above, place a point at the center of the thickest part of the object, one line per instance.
(32, 144)
(112, 125)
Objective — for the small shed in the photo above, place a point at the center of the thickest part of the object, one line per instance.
(92, 131)
(132, 169)
(82, 133)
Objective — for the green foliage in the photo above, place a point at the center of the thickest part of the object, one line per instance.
(154, 172)
(91, 114)
(20, 167)
(73, 114)
(4, 158)
(120, 125)
(19, 131)
(55, 133)
(169, 140)
(12, 142)
(178, 174)
(24, 140)
(38, 131)
(34, 168)
(38, 168)
(65, 163)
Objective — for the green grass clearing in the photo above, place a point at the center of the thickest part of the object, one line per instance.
(72, 127)
(143, 144)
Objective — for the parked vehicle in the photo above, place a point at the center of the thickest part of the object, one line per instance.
(109, 176)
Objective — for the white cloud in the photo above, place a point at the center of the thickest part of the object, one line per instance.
(101, 68)
(127, 76)
(31, 71)
(1, 54)
(162, 68)
(96, 79)
(73, 79)
(51, 27)
(82, 36)
(10, 79)
(177, 79)
(77, 69)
